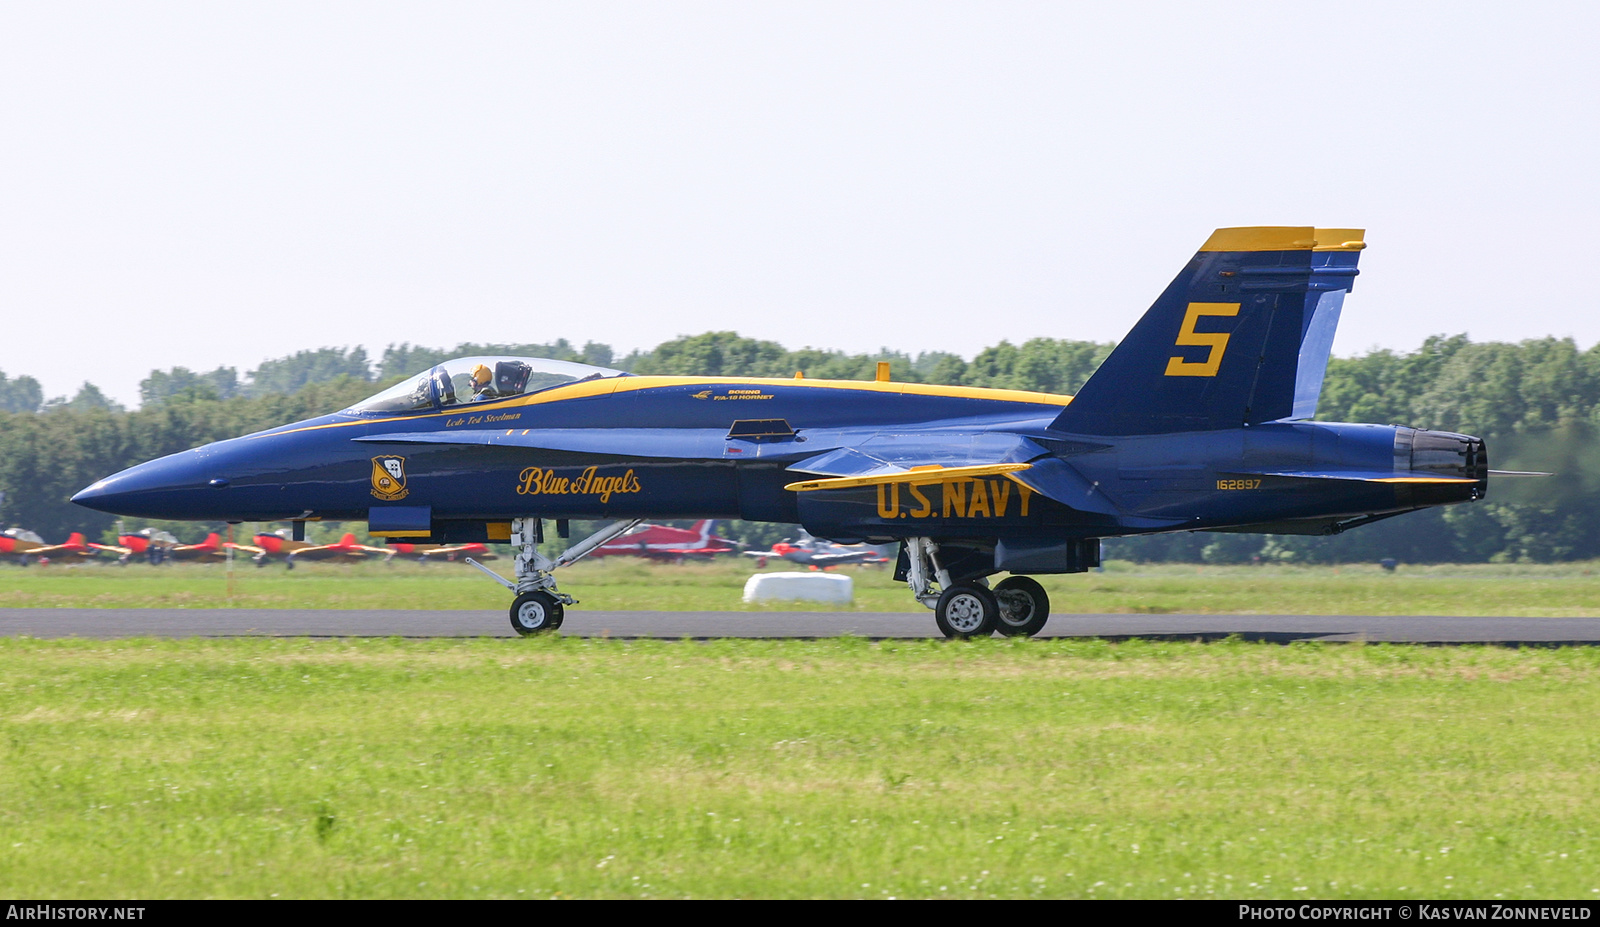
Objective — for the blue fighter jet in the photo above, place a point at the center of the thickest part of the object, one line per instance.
(1198, 421)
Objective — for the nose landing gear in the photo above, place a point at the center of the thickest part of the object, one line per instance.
(533, 612)
(539, 605)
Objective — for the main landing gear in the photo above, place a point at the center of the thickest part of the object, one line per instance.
(1017, 607)
(539, 606)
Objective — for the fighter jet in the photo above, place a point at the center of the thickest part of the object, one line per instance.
(1199, 420)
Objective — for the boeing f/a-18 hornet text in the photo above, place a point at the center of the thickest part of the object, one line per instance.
(1197, 421)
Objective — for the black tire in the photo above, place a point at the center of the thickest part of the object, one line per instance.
(1024, 607)
(966, 610)
(535, 613)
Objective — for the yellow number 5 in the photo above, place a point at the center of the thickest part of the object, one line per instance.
(1188, 337)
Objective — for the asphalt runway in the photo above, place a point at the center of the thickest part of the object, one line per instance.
(152, 622)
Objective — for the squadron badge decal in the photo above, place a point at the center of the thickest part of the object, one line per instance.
(389, 478)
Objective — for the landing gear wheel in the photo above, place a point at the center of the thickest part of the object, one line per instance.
(965, 611)
(535, 613)
(1024, 607)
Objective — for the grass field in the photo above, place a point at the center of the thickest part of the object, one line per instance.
(582, 768)
(1563, 590)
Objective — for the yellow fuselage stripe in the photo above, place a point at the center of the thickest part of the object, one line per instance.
(590, 388)
(919, 477)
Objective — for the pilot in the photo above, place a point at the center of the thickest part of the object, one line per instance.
(483, 383)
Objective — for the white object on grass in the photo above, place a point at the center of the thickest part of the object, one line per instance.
(798, 587)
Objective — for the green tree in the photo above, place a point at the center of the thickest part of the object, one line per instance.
(1046, 365)
(181, 382)
(24, 394)
(88, 397)
(288, 374)
(716, 354)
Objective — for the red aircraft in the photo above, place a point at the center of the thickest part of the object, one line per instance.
(151, 543)
(659, 542)
(277, 544)
(25, 547)
(211, 550)
(18, 544)
(281, 544)
(818, 554)
(449, 552)
(347, 550)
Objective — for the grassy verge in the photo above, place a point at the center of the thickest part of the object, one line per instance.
(581, 768)
(1563, 590)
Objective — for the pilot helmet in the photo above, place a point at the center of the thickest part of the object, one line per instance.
(481, 376)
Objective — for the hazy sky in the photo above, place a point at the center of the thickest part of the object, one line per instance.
(218, 183)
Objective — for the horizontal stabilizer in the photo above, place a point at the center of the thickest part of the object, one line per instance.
(1520, 473)
(1054, 478)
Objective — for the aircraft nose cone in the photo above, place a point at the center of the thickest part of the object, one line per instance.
(94, 495)
(157, 489)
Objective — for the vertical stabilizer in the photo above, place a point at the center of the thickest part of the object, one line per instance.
(1240, 337)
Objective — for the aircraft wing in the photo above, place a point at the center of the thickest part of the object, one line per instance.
(1013, 456)
(342, 550)
(62, 550)
(889, 454)
(847, 556)
(931, 473)
(449, 553)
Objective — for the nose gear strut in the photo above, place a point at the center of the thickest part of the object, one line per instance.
(539, 605)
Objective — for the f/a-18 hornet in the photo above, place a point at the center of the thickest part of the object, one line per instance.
(1198, 421)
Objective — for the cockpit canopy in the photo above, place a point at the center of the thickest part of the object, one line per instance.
(466, 380)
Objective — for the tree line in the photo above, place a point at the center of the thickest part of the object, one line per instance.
(1537, 402)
